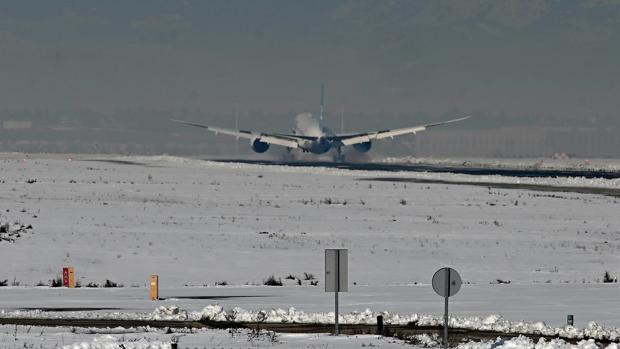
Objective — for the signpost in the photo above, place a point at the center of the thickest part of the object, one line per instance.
(336, 276)
(446, 283)
(154, 283)
(68, 277)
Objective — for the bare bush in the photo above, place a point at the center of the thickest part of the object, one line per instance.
(57, 282)
(308, 276)
(109, 284)
(271, 281)
(607, 278)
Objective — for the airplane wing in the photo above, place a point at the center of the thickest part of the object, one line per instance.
(288, 141)
(350, 139)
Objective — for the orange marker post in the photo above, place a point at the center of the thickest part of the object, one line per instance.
(71, 278)
(154, 287)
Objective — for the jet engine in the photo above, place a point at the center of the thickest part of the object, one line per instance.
(362, 147)
(259, 147)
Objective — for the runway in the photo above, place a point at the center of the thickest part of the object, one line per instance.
(469, 170)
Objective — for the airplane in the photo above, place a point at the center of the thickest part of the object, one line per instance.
(310, 135)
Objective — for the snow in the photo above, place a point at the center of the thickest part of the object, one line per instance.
(144, 338)
(217, 313)
(76, 338)
(489, 323)
(546, 302)
(556, 163)
(101, 217)
(522, 342)
(568, 181)
(197, 223)
(111, 342)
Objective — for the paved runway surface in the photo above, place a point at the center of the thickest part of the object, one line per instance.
(470, 170)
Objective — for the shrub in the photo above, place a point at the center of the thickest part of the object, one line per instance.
(271, 281)
(57, 282)
(314, 283)
(607, 278)
(291, 277)
(4, 282)
(221, 283)
(500, 282)
(403, 202)
(109, 283)
(308, 276)
(92, 284)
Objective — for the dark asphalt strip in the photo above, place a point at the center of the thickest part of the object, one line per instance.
(438, 168)
(536, 187)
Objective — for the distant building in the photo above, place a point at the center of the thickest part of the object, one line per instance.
(16, 125)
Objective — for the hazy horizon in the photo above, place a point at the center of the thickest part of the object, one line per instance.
(526, 64)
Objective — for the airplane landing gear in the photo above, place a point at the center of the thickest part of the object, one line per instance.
(288, 155)
(339, 157)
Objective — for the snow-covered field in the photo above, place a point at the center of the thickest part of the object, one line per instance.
(148, 338)
(145, 338)
(557, 163)
(198, 223)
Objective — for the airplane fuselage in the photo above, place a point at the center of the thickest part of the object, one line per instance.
(308, 126)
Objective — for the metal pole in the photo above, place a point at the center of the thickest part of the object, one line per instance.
(445, 321)
(336, 313)
(337, 270)
(445, 324)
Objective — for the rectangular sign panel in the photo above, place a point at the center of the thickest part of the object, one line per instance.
(65, 277)
(336, 270)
